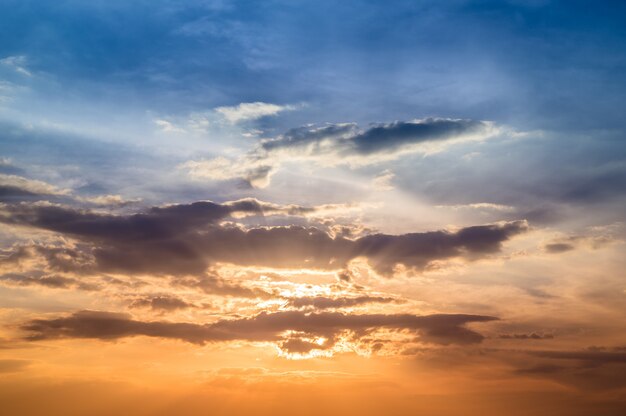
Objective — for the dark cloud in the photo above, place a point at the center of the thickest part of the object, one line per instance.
(592, 241)
(213, 284)
(590, 369)
(16, 188)
(307, 136)
(162, 303)
(300, 346)
(417, 250)
(385, 137)
(442, 329)
(592, 357)
(532, 335)
(555, 248)
(186, 239)
(61, 258)
(338, 144)
(157, 223)
(13, 194)
(50, 281)
(66, 259)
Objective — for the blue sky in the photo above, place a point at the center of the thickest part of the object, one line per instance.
(83, 84)
(536, 64)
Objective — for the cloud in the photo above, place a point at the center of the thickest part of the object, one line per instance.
(343, 144)
(162, 303)
(323, 302)
(17, 63)
(595, 240)
(559, 247)
(251, 111)
(40, 263)
(168, 126)
(50, 281)
(15, 188)
(532, 335)
(595, 368)
(187, 238)
(384, 181)
(221, 120)
(211, 283)
(108, 200)
(590, 356)
(440, 329)
(6, 165)
(479, 206)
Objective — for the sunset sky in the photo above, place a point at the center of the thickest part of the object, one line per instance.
(215, 207)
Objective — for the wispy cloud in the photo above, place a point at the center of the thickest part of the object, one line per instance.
(17, 63)
(252, 111)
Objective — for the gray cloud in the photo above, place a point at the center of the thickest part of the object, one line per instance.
(13, 193)
(162, 303)
(441, 328)
(186, 239)
(51, 281)
(389, 137)
(532, 335)
(591, 369)
(310, 136)
(591, 357)
(559, 247)
(211, 283)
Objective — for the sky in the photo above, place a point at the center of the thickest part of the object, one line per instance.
(341, 208)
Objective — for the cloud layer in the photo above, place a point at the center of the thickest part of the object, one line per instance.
(188, 238)
(344, 144)
(442, 329)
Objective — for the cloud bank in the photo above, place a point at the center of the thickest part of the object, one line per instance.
(188, 238)
(440, 328)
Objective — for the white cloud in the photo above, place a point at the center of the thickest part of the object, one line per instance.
(215, 120)
(219, 168)
(251, 111)
(17, 63)
(479, 206)
(168, 126)
(383, 181)
(32, 185)
(108, 200)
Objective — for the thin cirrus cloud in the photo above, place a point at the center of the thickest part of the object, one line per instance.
(343, 144)
(17, 63)
(251, 111)
(204, 121)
